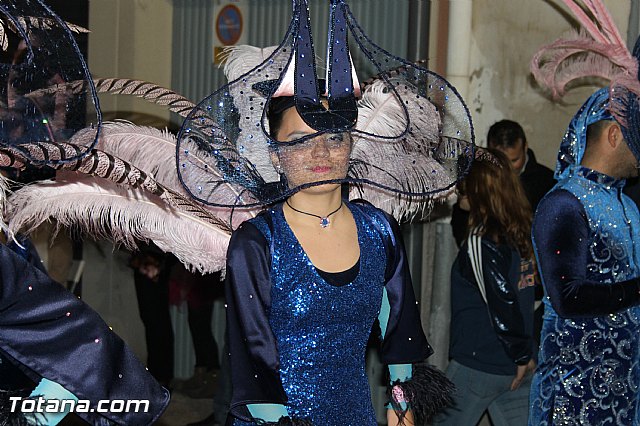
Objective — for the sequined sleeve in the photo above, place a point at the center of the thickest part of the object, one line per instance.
(252, 344)
(561, 236)
(427, 390)
(57, 336)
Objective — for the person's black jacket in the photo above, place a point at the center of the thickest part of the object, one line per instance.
(536, 180)
(496, 336)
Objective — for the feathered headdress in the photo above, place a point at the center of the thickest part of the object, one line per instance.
(43, 57)
(116, 181)
(410, 127)
(599, 51)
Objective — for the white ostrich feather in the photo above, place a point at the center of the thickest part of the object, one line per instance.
(391, 161)
(154, 151)
(4, 190)
(150, 149)
(125, 216)
(380, 113)
(4, 39)
(239, 60)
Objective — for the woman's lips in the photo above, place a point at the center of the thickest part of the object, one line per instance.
(320, 169)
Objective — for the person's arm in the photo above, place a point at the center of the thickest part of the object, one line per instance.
(397, 372)
(416, 391)
(258, 393)
(501, 269)
(501, 287)
(55, 335)
(561, 236)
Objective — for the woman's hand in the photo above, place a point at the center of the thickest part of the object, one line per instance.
(393, 420)
(522, 372)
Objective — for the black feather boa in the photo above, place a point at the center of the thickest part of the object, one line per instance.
(286, 421)
(428, 392)
(7, 417)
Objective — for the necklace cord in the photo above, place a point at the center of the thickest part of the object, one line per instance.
(324, 220)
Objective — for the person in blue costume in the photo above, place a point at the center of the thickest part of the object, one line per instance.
(586, 236)
(55, 339)
(306, 280)
(587, 240)
(310, 276)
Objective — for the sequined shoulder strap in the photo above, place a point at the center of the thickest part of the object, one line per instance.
(378, 219)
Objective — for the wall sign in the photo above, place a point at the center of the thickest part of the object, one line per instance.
(229, 26)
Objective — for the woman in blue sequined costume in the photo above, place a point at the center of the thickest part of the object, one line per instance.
(309, 277)
(587, 239)
(306, 281)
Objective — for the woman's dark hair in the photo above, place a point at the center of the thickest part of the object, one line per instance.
(277, 107)
(498, 204)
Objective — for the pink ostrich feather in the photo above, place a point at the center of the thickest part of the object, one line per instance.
(597, 51)
(154, 151)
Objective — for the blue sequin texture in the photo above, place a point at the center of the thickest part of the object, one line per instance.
(322, 330)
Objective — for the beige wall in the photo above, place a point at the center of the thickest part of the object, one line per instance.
(505, 35)
(131, 39)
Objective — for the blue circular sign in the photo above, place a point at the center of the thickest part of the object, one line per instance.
(229, 25)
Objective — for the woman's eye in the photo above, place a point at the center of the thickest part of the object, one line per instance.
(336, 139)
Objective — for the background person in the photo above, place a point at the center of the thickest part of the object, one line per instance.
(508, 137)
(491, 343)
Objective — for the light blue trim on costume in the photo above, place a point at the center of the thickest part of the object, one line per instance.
(267, 412)
(402, 372)
(385, 311)
(404, 406)
(50, 390)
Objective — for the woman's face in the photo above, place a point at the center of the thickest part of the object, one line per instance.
(324, 157)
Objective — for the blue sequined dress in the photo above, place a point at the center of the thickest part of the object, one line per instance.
(299, 341)
(586, 236)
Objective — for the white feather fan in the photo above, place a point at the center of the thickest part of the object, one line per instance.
(105, 210)
(379, 160)
(154, 151)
